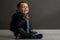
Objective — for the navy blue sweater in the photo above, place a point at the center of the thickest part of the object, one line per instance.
(18, 22)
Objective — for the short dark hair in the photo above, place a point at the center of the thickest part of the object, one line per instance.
(18, 5)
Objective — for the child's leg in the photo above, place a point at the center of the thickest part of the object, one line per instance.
(16, 34)
(36, 36)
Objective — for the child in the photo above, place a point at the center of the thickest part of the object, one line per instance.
(20, 23)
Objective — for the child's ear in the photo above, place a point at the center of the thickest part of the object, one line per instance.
(16, 8)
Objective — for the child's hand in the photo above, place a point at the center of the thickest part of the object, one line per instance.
(33, 30)
(26, 17)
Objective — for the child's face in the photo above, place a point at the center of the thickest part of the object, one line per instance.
(23, 8)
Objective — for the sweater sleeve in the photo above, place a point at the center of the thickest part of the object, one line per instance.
(19, 24)
(19, 21)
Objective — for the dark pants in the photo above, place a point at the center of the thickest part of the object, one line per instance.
(24, 35)
(22, 32)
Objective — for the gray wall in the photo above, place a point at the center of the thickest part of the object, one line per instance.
(45, 14)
